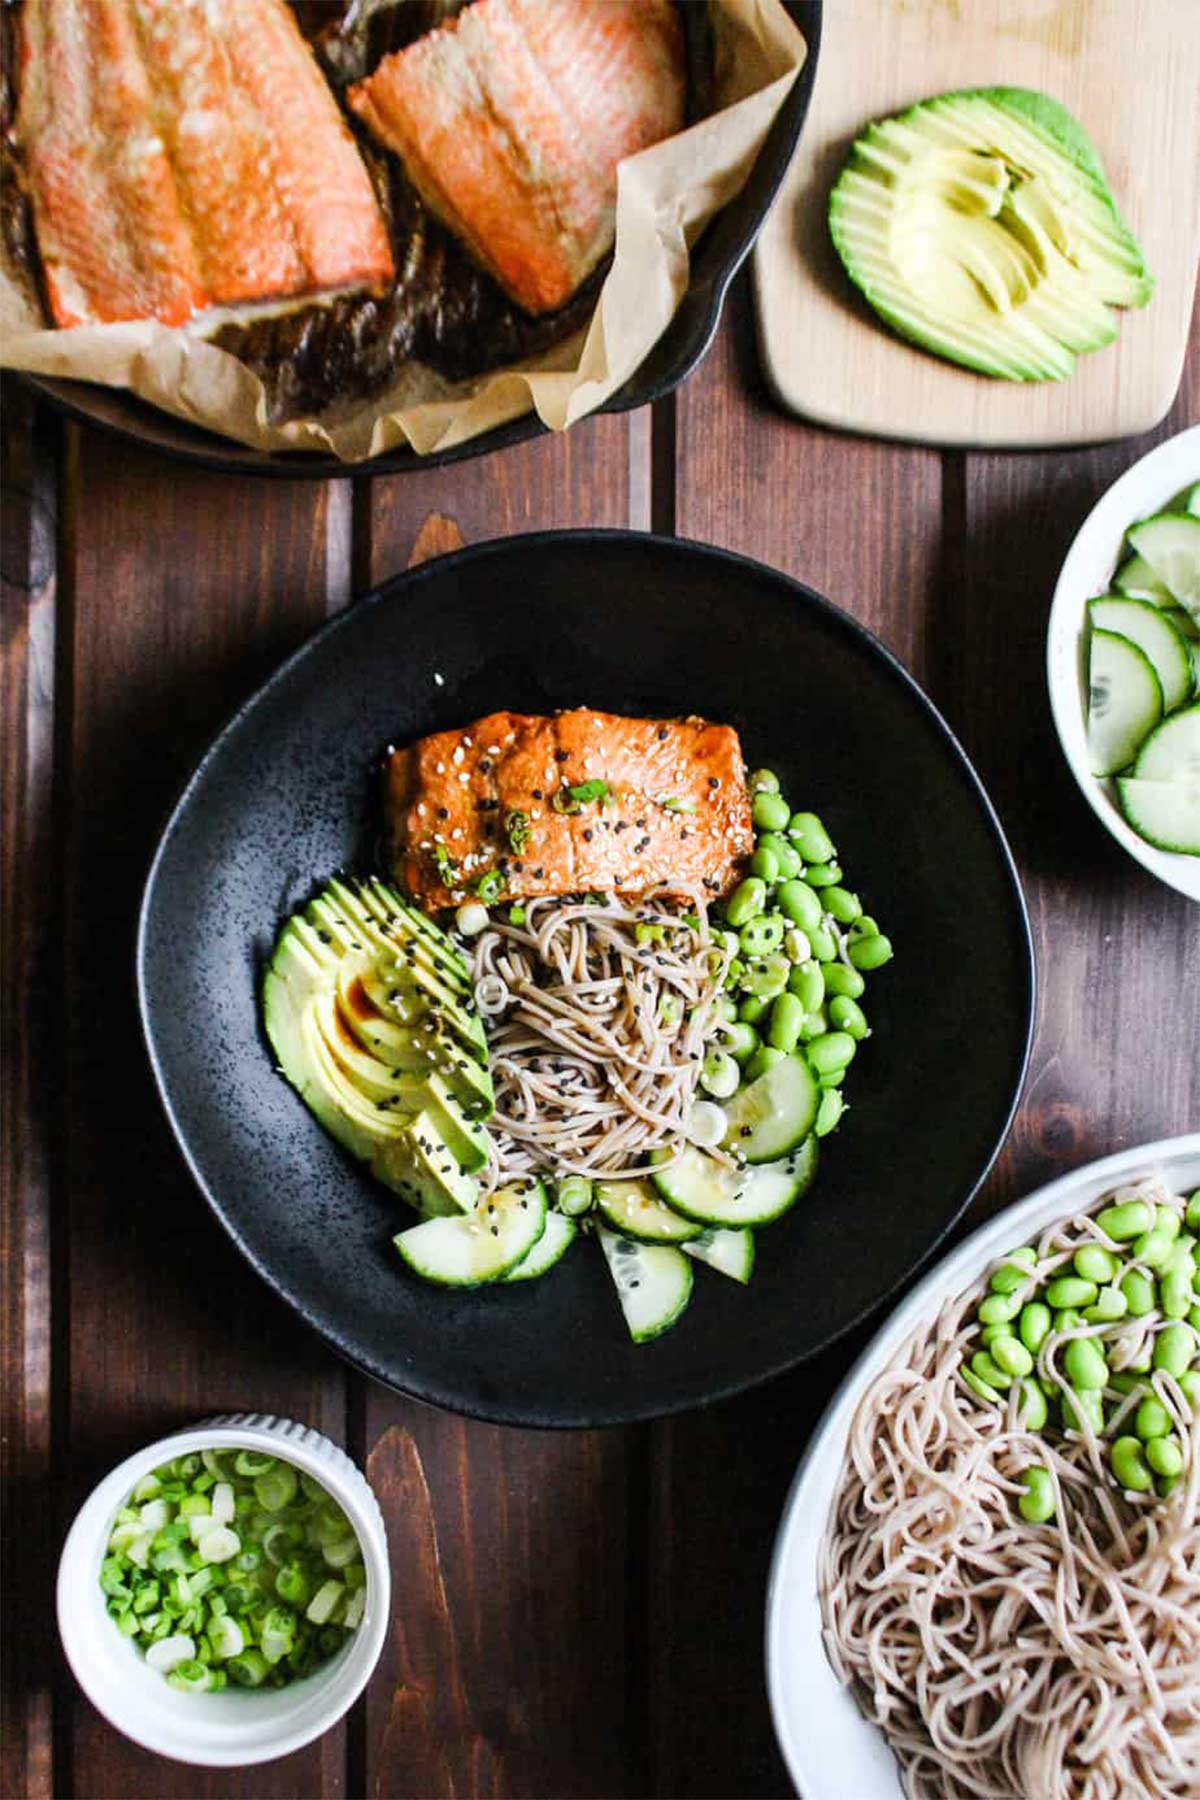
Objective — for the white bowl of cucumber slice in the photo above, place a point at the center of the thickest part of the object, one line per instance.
(1123, 661)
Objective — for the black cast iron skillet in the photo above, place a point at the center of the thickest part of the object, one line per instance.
(639, 625)
(716, 259)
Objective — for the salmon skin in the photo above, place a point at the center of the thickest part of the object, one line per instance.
(510, 122)
(185, 154)
(517, 805)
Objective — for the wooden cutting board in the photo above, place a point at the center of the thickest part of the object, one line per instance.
(1130, 72)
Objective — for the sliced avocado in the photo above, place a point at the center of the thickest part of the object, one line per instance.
(382, 1049)
(375, 908)
(980, 225)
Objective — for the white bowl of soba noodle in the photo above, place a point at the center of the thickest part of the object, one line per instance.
(925, 1635)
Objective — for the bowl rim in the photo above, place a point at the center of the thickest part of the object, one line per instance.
(951, 1274)
(409, 582)
(1109, 519)
(684, 343)
(92, 1521)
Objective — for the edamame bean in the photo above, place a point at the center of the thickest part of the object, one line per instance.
(801, 905)
(1083, 1361)
(990, 1371)
(870, 953)
(1095, 1263)
(1154, 1249)
(1032, 1408)
(1189, 1381)
(1129, 1465)
(864, 927)
(796, 946)
(1164, 1456)
(845, 982)
(831, 1081)
(720, 1075)
(1034, 1325)
(769, 811)
(849, 1016)
(1070, 1290)
(831, 1052)
(734, 971)
(741, 1040)
(1192, 1214)
(1168, 1221)
(824, 945)
(989, 1334)
(727, 1008)
(1138, 1290)
(1174, 1349)
(815, 1025)
(1124, 1381)
(823, 875)
(980, 1387)
(764, 781)
(841, 904)
(807, 982)
(574, 1194)
(998, 1309)
(1125, 1222)
(1087, 1405)
(1193, 1317)
(785, 853)
(1109, 1305)
(829, 1112)
(1010, 1276)
(767, 975)
(752, 1009)
(1068, 1320)
(1151, 1419)
(764, 1058)
(810, 837)
(765, 864)
(787, 1016)
(1175, 1294)
(747, 899)
(1036, 1505)
(1012, 1356)
(761, 935)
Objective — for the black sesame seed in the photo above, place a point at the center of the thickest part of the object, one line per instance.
(662, 734)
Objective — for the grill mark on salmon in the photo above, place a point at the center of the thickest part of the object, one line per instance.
(511, 120)
(675, 807)
(184, 154)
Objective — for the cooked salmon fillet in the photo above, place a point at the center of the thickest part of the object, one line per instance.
(184, 154)
(510, 122)
(584, 802)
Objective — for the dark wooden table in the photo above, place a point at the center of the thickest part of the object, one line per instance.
(578, 1613)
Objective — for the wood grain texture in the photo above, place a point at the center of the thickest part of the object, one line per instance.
(831, 360)
(27, 603)
(506, 1670)
(178, 592)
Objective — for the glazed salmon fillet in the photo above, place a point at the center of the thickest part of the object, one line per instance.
(510, 122)
(517, 805)
(186, 154)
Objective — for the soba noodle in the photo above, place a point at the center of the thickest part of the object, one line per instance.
(596, 1030)
(1057, 1662)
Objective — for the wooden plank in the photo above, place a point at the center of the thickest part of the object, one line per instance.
(507, 1667)
(27, 600)
(829, 357)
(178, 592)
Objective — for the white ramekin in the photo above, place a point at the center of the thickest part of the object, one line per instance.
(235, 1726)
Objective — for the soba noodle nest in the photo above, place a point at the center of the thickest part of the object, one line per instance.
(596, 1039)
(1002, 1659)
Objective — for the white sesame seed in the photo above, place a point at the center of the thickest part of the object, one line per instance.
(439, 679)
(493, 750)
(439, 768)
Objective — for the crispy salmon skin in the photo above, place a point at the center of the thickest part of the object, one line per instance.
(510, 121)
(518, 805)
(186, 154)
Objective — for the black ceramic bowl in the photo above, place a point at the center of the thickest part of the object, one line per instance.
(716, 259)
(638, 625)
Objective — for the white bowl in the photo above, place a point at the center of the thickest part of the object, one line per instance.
(235, 1726)
(831, 1750)
(1091, 560)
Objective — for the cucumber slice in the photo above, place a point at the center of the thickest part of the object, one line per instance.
(729, 1252)
(1191, 500)
(466, 1252)
(1155, 636)
(653, 1281)
(633, 1207)
(1124, 704)
(1136, 579)
(1165, 813)
(1183, 622)
(701, 1188)
(551, 1247)
(1172, 753)
(774, 1114)
(1170, 543)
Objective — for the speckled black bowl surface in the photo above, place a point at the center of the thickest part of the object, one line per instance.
(638, 625)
